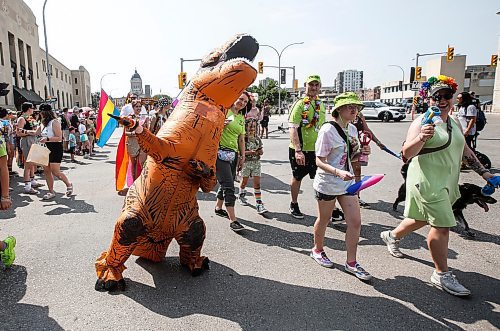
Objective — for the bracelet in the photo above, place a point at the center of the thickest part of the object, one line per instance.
(5, 198)
(298, 151)
(335, 172)
(482, 171)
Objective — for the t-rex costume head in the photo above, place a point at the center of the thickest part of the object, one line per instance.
(161, 204)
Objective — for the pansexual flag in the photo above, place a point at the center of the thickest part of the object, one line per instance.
(105, 124)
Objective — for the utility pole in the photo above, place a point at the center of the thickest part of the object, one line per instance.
(49, 73)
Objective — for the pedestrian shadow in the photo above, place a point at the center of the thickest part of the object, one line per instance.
(444, 307)
(21, 316)
(101, 152)
(18, 201)
(386, 207)
(110, 162)
(70, 206)
(308, 220)
(202, 196)
(272, 185)
(256, 303)
(370, 236)
(299, 242)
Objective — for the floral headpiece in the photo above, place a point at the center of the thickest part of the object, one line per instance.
(435, 84)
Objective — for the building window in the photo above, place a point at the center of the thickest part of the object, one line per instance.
(76, 91)
(37, 74)
(43, 66)
(1, 54)
(76, 80)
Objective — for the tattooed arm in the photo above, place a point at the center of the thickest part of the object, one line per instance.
(470, 159)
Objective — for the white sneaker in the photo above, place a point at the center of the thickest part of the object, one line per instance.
(261, 209)
(392, 244)
(448, 282)
(242, 200)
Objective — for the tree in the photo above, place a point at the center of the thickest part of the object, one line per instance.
(268, 89)
(159, 96)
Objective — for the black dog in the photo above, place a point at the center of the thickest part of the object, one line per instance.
(469, 194)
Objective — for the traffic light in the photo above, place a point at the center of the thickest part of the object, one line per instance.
(412, 74)
(3, 89)
(261, 67)
(418, 73)
(450, 54)
(295, 84)
(182, 79)
(494, 60)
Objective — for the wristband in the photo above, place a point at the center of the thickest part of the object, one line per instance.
(5, 198)
(298, 151)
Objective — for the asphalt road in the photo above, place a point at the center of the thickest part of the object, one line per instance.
(260, 279)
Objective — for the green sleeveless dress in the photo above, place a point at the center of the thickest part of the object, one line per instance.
(432, 181)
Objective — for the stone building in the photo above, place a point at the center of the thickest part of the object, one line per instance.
(23, 64)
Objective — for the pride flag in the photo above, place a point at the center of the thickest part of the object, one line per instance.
(105, 124)
(121, 165)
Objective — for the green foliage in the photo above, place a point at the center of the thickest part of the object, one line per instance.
(159, 96)
(269, 91)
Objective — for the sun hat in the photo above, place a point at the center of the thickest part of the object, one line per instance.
(313, 78)
(435, 84)
(347, 98)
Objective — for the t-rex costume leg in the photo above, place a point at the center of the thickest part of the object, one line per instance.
(161, 205)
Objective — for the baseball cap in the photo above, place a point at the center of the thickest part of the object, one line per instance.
(313, 78)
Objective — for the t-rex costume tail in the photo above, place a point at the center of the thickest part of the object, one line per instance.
(161, 205)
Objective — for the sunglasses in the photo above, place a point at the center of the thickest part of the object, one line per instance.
(438, 97)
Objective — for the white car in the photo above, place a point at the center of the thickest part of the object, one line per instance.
(383, 112)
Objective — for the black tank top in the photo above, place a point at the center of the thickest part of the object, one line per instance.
(27, 125)
(358, 124)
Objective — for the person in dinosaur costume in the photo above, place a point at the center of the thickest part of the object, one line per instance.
(161, 205)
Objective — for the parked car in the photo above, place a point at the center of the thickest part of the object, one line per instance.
(383, 112)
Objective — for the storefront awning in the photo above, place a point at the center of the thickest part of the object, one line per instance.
(23, 95)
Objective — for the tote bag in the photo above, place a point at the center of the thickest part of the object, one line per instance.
(39, 155)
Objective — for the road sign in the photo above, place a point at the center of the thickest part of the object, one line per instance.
(415, 85)
(283, 76)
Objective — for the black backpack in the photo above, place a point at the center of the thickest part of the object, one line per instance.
(480, 119)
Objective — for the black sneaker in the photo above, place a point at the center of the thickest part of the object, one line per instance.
(337, 216)
(221, 213)
(236, 226)
(295, 211)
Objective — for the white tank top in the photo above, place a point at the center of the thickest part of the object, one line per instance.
(47, 131)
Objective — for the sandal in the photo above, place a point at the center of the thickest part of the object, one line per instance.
(49, 195)
(69, 190)
(30, 191)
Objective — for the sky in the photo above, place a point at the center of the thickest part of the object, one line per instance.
(152, 35)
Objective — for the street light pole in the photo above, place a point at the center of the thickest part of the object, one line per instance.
(279, 69)
(47, 51)
(403, 82)
(106, 74)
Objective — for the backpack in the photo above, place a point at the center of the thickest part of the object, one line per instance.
(480, 119)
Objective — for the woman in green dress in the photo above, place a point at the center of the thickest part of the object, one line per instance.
(432, 182)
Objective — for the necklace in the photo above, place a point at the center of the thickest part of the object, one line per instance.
(305, 113)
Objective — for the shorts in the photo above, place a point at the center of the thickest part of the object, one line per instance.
(25, 145)
(56, 151)
(300, 171)
(3, 148)
(324, 197)
(133, 147)
(251, 169)
(264, 122)
(65, 135)
(83, 138)
(72, 150)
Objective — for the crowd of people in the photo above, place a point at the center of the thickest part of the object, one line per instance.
(328, 153)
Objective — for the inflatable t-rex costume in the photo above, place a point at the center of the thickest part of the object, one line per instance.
(161, 204)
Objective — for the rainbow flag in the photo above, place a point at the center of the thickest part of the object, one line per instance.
(121, 165)
(105, 124)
